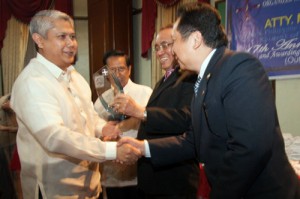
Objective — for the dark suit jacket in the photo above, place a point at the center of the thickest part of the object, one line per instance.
(168, 113)
(235, 133)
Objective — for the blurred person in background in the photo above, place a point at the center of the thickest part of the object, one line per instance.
(120, 181)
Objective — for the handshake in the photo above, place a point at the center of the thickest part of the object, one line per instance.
(129, 150)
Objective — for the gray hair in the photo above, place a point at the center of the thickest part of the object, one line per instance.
(42, 21)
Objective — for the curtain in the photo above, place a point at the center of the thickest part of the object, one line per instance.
(148, 25)
(23, 10)
(13, 53)
(4, 16)
(167, 3)
(65, 6)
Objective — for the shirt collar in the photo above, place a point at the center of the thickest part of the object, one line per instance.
(54, 69)
(205, 63)
(127, 86)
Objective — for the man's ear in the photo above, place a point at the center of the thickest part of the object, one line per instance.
(129, 69)
(38, 39)
(197, 36)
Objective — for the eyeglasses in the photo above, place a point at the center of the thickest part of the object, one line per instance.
(163, 45)
(119, 69)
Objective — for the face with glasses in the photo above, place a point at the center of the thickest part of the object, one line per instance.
(117, 64)
(163, 49)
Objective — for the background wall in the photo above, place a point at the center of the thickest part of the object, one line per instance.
(81, 27)
(287, 91)
(288, 105)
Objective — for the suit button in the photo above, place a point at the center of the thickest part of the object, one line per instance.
(208, 76)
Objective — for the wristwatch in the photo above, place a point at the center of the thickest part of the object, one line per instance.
(145, 115)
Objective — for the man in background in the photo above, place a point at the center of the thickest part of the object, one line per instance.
(167, 113)
(120, 181)
(57, 139)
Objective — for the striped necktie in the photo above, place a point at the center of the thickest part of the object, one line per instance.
(196, 86)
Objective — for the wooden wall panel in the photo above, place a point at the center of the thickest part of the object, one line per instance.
(110, 27)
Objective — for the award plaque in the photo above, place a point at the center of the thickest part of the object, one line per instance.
(107, 86)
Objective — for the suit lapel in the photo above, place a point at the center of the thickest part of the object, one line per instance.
(201, 93)
(163, 85)
(197, 101)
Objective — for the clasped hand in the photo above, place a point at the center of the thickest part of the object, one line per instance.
(129, 150)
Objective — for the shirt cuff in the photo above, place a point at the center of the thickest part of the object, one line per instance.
(147, 149)
(111, 150)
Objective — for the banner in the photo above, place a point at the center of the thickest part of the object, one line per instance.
(268, 29)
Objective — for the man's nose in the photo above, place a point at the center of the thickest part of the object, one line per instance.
(117, 73)
(160, 51)
(70, 41)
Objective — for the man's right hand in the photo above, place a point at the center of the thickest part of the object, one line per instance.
(126, 105)
(138, 144)
(127, 154)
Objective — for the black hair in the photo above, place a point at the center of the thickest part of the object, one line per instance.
(115, 53)
(203, 18)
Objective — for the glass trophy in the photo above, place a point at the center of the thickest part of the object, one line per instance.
(107, 86)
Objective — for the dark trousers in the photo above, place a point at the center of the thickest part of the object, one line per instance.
(122, 192)
(6, 183)
(143, 195)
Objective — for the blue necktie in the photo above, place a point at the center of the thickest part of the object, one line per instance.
(196, 86)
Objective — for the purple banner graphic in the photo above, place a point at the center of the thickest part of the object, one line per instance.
(268, 29)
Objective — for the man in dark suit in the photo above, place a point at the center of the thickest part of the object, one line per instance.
(167, 113)
(235, 133)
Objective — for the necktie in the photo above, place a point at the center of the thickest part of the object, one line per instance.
(196, 86)
(168, 73)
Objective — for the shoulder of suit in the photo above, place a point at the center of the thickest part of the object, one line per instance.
(186, 75)
(234, 58)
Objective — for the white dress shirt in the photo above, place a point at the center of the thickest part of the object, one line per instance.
(115, 175)
(58, 129)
